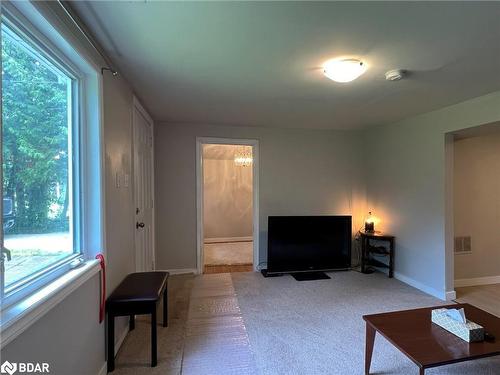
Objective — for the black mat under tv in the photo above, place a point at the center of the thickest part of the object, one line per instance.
(308, 244)
(310, 276)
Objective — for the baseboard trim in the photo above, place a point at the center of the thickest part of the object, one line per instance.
(451, 295)
(228, 239)
(121, 338)
(181, 271)
(477, 281)
(104, 369)
(118, 345)
(442, 295)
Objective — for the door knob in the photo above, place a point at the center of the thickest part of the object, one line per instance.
(139, 225)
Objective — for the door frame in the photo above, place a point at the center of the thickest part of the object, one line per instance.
(137, 106)
(200, 141)
(449, 212)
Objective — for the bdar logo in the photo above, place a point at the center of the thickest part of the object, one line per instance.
(8, 368)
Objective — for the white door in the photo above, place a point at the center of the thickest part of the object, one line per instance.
(143, 189)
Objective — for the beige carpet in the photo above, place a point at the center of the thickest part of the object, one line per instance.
(246, 324)
(486, 297)
(228, 253)
(316, 327)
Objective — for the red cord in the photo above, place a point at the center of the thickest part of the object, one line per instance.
(103, 287)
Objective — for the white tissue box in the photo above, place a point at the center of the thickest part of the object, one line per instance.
(470, 331)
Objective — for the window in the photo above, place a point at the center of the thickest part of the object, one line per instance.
(39, 163)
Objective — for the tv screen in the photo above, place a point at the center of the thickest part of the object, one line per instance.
(308, 243)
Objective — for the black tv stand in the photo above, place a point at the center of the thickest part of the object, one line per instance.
(266, 274)
(309, 276)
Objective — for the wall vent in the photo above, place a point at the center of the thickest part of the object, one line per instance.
(463, 245)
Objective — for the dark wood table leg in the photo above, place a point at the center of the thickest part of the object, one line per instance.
(154, 358)
(165, 308)
(422, 371)
(370, 340)
(131, 323)
(111, 342)
(391, 258)
(363, 255)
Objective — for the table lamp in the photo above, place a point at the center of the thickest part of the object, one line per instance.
(370, 223)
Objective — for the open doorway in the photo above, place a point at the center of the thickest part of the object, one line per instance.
(476, 216)
(227, 218)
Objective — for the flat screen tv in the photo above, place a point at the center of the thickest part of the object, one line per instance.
(308, 243)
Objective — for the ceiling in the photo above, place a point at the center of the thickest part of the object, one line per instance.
(259, 63)
(224, 152)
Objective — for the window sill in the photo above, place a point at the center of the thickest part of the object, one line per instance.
(17, 318)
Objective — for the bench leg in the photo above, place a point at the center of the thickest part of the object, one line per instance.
(154, 359)
(131, 323)
(111, 342)
(165, 308)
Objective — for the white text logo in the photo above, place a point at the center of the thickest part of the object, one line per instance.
(24, 367)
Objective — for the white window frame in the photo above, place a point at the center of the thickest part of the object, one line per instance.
(29, 284)
(18, 313)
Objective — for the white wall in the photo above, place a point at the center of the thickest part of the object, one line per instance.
(68, 337)
(477, 204)
(302, 172)
(406, 188)
(227, 193)
(120, 208)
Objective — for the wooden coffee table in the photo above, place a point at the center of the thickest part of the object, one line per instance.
(427, 344)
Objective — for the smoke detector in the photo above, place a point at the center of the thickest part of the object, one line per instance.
(395, 75)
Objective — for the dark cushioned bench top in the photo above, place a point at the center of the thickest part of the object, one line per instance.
(139, 287)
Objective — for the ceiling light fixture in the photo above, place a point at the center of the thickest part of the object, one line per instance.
(344, 70)
(243, 157)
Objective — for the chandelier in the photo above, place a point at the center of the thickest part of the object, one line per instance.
(243, 157)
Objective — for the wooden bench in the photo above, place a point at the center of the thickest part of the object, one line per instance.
(139, 293)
